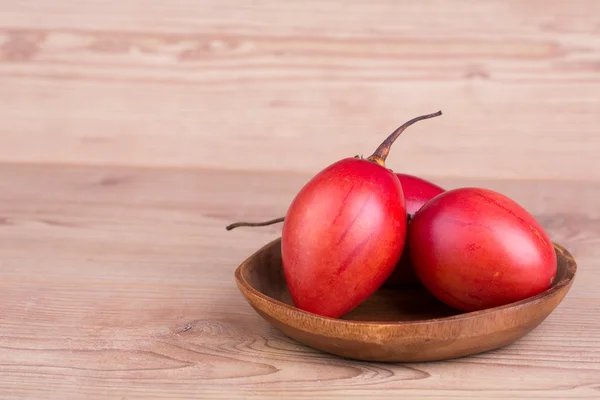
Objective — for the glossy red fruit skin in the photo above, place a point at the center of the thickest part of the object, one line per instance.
(474, 248)
(417, 192)
(342, 236)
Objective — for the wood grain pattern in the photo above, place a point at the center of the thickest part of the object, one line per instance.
(118, 281)
(174, 83)
(132, 132)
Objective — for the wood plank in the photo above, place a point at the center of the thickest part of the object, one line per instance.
(380, 17)
(296, 87)
(118, 282)
(238, 356)
(125, 124)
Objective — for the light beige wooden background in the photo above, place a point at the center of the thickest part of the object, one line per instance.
(293, 85)
(132, 132)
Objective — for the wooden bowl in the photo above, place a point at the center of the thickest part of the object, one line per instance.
(396, 324)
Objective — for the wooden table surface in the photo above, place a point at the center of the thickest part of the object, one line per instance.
(132, 132)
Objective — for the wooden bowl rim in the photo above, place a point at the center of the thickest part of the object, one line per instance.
(565, 281)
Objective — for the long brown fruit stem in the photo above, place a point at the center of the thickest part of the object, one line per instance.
(265, 223)
(273, 221)
(383, 150)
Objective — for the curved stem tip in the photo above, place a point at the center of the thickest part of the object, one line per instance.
(384, 148)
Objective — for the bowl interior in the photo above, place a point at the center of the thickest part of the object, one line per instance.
(408, 303)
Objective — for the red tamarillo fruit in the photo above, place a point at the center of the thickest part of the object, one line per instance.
(344, 232)
(474, 248)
